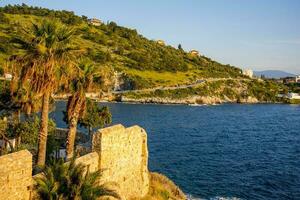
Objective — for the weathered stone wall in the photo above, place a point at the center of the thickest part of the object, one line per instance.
(90, 160)
(123, 157)
(16, 176)
(121, 153)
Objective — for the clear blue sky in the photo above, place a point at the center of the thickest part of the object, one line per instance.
(256, 34)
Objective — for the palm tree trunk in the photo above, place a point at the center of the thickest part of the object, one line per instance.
(76, 108)
(71, 137)
(43, 133)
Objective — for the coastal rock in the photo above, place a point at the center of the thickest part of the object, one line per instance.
(249, 100)
(190, 100)
(207, 100)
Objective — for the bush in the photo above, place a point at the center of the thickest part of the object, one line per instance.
(1, 71)
(29, 129)
(99, 56)
(136, 82)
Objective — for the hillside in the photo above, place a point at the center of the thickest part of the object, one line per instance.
(141, 63)
(211, 92)
(121, 48)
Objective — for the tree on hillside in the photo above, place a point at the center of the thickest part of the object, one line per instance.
(47, 47)
(3, 18)
(1, 71)
(70, 181)
(180, 47)
(76, 105)
(95, 116)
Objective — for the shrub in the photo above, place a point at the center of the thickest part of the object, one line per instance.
(1, 71)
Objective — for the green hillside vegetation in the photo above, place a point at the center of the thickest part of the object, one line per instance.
(117, 47)
(144, 62)
(264, 91)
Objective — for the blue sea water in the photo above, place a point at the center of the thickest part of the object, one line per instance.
(215, 152)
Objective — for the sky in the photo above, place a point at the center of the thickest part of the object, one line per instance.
(250, 34)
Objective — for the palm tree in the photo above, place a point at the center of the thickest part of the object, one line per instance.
(76, 105)
(47, 47)
(70, 182)
(47, 186)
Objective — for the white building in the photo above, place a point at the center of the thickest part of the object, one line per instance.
(95, 22)
(248, 72)
(194, 52)
(161, 42)
(7, 76)
(293, 95)
(298, 79)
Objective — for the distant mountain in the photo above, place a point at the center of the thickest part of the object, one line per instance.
(273, 74)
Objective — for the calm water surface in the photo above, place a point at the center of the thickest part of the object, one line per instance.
(242, 151)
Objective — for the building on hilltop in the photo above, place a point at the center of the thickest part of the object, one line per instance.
(248, 72)
(293, 96)
(298, 79)
(161, 42)
(95, 22)
(194, 52)
(8, 76)
(288, 80)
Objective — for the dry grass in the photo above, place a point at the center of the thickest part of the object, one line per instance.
(162, 188)
(165, 78)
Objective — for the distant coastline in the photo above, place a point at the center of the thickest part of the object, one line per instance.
(159, 101)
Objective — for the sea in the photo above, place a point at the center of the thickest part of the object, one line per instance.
(224, 152)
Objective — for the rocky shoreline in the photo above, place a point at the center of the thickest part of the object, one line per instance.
(196, 100)
(193, 100)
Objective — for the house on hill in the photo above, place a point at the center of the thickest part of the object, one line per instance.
(161, 42)
(194, 52)
(293, 96)
(8, 76)
(95, 22)
(248, 72)
(291, 79)
(298, 79)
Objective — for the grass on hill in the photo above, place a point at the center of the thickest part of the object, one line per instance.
(144, 62)
(119, 48)
(264, 91)
(162, 188)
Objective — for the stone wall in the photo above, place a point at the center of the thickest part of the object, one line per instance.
(120, 153)
(123, 157)
(16, 176)
(90, 160)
